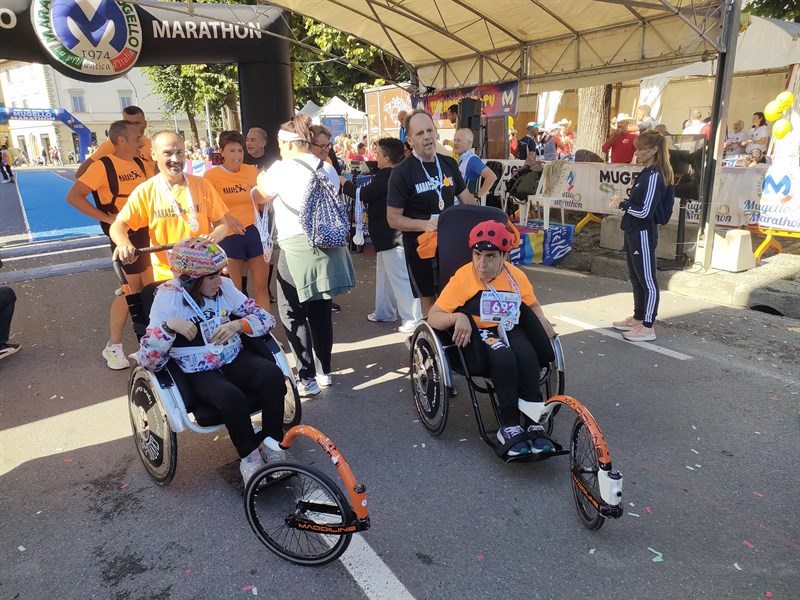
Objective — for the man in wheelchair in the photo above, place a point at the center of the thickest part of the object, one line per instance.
(191, 323)
(492, 310)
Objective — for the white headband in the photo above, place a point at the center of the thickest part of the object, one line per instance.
(288, 136)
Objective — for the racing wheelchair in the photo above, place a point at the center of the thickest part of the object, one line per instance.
(296, 511)
(436, 361)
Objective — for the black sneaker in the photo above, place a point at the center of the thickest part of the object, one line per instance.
(539, 444)
(8, 349)
(335, 307)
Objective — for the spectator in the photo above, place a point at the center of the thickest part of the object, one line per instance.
(5, 165)
(733, 142)
(758, 136)
(620, 142)
(256, 145)
(478, 177)
(452, 114)
(530, 142)
(756, 157)
(401, 118)
(694, 124)
(393, 295)
(7, 301)
(645, 121)
(513, 142)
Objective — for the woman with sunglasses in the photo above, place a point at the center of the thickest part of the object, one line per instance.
(191, 322)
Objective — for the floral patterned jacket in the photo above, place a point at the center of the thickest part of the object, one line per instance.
(158, 344)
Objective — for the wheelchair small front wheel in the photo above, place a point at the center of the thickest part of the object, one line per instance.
(292, 410)
(585, 467)
(431, 395)
(155, 441)
(298, 513)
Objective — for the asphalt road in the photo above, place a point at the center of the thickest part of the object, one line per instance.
(708, 446)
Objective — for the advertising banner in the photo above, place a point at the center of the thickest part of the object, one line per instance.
(778, 206)
(497, 99)
(336, 125)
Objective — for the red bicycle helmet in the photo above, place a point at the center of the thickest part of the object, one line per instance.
(491, 235)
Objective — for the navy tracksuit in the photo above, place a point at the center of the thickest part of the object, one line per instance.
(641, 238)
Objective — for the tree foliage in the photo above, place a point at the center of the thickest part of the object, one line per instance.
(788, 10)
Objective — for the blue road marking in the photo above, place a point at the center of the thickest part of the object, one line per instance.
(49, 215)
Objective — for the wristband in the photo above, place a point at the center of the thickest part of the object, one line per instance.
(167, 328)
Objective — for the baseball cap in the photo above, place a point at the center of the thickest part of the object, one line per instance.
(534, 124)
(562, 122)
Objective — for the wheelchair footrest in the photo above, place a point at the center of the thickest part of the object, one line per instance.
(527, 458)
(502, 449)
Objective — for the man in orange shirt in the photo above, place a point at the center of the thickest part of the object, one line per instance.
(135, 116)
(110, 180)
(173, 205)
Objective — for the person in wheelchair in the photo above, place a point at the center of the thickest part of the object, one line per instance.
(191, 323)
(489, 304)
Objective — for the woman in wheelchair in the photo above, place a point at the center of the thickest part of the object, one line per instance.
(492, 310)
(191, 323)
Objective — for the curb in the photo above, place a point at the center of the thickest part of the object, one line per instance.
(773, 286)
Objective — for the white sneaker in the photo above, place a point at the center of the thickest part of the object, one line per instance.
(407, 327)
(325, 380)
(269, 455)
(308, 387)
(115, 357)
(374, 318)
(250, 464)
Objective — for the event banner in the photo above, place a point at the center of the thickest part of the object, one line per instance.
(778, 206)
(497, 99)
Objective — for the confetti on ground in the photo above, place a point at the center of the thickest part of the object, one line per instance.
(463, 440)
(600, 354)
(698, 466)
(693, 427)
(413, 445)
(633, 514)
(759, 495)
(188, 571)
(21, 548)
(748, 544)
(695, 451)
(617, 404)
(631, 504)
(54, 396)
(690, 468)
(402, 390)
(247, 588)
(738, 568)
(659, 557)
(423, 445)
(123, 486)
(768, 594)
(647, 510)
(758, 433)
(67, 460)
(591, 551)
(216, 437)
(479, 557)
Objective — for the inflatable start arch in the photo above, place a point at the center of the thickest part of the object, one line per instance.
(99, 40)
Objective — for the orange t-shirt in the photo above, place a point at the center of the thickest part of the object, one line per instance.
(234, 189)
(150, 205)
(129, 175)
(146, 153)
(464, 285)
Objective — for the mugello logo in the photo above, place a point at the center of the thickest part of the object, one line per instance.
(97, 37)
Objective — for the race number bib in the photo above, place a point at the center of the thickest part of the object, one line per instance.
(207, 330)
(500, 307)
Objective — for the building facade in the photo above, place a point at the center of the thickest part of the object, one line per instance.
(96, 105)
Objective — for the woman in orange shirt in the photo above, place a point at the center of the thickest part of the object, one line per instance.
(236, 184)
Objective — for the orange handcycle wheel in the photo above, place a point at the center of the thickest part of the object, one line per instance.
(299, 513)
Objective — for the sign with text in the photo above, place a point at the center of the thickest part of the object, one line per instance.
(497, 99)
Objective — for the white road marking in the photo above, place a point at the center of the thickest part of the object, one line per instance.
(56, 252)
(646, 345)
(371, 574)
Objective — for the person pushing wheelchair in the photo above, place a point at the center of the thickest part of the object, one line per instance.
(491, 307)
(190, 322)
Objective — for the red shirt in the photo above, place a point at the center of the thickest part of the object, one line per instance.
(621, 148)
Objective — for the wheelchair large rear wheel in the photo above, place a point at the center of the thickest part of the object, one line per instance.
(155, 441)
(292, 410)
(431, 395)
(585, 468)
(290, 506)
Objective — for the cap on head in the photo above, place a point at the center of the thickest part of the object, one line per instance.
(534, 125)
(196, 257)
(490, 235)
(623, 117)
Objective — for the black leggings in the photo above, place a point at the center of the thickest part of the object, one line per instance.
(6, 172)
(514, 371)
(226, 389)
(7, 300)
(308, 325)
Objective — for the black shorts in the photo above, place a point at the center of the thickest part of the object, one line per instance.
(140, 239)
(420, 271)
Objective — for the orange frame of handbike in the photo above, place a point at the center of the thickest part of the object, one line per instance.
(357, 492)
(603, 455)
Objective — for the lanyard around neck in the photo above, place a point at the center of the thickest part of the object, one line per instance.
(436, 186)
(193, 305)
(510, 279)
(194, 224)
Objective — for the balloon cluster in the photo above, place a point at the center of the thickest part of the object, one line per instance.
(773, 111)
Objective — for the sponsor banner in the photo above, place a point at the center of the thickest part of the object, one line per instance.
(497, 99)
(543, 246)
(778, 206)
(336, 125)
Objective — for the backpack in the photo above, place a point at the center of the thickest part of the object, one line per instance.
(113, 185)
(323, 216)
(662, 212)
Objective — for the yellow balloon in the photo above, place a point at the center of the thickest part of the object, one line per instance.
(781, 128)
(772, 111)
(511, 122)
(785, 99)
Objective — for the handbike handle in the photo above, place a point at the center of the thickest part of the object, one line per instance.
(117, 265)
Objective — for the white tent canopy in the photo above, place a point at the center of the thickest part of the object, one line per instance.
(310, 108)
(545, 44)
(336, 107)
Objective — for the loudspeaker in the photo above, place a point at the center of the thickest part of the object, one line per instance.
(469, 116)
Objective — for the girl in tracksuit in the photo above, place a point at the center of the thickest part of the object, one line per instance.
(641, 233)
